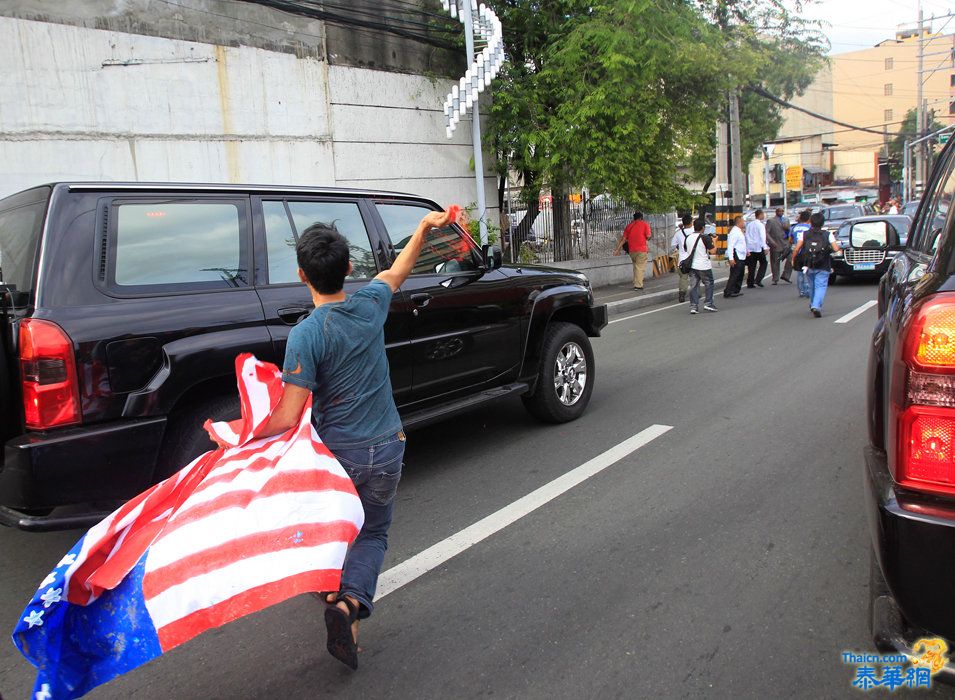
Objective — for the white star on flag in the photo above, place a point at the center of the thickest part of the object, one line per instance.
(43, 693)
(67, 560)
(50, 578)
(34, 619)
(51, 596)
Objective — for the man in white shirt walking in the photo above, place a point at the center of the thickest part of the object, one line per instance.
(678, 250)
(736, 255)
(699, 246)
(756, 248)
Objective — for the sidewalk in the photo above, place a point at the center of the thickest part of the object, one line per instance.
(621, 298)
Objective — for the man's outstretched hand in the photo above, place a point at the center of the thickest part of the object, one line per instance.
(438, 219)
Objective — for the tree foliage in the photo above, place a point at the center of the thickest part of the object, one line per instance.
(622, 96)
(907, 132)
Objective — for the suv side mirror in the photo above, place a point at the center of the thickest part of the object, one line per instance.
(491, 254)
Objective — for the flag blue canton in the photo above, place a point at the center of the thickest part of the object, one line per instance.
(76, 647)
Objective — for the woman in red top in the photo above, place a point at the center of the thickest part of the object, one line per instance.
(636, 236)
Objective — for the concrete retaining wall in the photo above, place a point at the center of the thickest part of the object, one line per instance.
(603, 272)
(98, 104)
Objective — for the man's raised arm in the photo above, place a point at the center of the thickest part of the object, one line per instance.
(395, 276)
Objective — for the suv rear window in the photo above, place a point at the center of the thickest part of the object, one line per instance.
(19, 235)
(178, 245)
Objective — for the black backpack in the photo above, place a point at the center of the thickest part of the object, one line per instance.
(817, 249)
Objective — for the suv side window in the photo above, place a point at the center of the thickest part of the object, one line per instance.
(445, 251)
(177, 245)
(924, 235)
(286, 221)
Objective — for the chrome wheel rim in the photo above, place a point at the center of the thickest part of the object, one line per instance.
(570, 374)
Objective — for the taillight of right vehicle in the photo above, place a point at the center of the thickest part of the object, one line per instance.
(922, 420)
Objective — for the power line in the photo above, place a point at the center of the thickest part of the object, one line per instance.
(758, 90)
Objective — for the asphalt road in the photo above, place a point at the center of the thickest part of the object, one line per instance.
(726, 558)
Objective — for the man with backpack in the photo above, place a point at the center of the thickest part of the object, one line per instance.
(813, 254)
(796, 233)
(698, 249)
(678, 251)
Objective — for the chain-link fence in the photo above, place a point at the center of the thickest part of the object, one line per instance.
(590, 228)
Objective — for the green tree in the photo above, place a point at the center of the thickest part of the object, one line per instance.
(622, 96)
(907, 132)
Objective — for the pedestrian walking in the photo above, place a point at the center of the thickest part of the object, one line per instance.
(756, 250)
(636, 235)
(815, 251)
(796, 233)
(335, 355)
(736, 255)
(777, 236)
(893, 208)
(699, 247)
(678, 252)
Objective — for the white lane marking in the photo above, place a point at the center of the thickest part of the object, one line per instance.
(662, 308)
(861, 310)
(434, 556)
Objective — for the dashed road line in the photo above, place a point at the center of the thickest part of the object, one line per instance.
(856, 312)
(437, 554)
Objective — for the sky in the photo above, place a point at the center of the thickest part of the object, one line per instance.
(855, 25)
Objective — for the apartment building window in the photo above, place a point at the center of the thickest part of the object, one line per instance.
(888, 116)
(889, 63)
(951, 107)
(951, 80)
(888, 89)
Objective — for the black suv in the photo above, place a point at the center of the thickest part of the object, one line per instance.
(910, 459)
(123, 306)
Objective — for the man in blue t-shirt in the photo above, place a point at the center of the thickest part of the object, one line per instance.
(337, 355)
(796, 232)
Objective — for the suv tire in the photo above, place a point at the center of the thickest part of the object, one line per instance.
(566, 358)
(185, 437)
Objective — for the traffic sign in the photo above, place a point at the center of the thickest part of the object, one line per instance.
(794, 178)
(943, 138)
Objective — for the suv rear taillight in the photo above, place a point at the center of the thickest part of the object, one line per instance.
(51, 395)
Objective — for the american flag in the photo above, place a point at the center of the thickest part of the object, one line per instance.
(237, 530)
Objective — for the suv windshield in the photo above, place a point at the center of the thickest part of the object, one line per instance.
(836, 213)
(21, 219)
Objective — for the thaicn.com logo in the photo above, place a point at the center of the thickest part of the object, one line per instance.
(892, 671)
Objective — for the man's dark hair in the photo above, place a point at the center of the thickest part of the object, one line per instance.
(738, 219)
(805, 215)
(817, 220)
(780, 211)
(638, 215)
(687, 219)
(699, 224)
(322, 253)
(758, 213)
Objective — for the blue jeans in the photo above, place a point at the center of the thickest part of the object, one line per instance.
(706, 277)
(802, 283)
(818, 284)
(375, 471)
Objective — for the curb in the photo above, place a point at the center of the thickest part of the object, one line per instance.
(621, 306)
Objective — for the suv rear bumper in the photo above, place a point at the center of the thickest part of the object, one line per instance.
(914, 545)
(77, 466)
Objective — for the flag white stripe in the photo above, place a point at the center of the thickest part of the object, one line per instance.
(208, 589)
(273, 512)
(258, 394)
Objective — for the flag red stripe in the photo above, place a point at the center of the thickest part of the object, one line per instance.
(282, 482)
(252, 600)
(257, 464)
(289, 537)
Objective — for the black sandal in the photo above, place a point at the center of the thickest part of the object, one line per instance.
(341, 642)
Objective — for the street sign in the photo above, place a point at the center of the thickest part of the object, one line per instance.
(794, 177)
(943, 138)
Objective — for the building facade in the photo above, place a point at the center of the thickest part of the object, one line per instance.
(872, 88)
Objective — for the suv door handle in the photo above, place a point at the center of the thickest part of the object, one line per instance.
(421, 300)
(292, 315)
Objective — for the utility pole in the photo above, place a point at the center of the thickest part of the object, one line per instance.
(468, 17)
(736, 165)
(766, 173)
(920, 106)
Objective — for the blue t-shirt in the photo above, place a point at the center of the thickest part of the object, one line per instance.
(338, 353)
